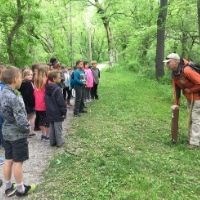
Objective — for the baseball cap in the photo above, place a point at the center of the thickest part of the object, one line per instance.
(174, 56)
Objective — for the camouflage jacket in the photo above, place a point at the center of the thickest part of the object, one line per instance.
(12, 107)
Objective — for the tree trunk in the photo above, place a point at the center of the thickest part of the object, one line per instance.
(111, 52)
(13, 31)
(89, 44)
(161, 21)
(183, 45)
(198, 14)
(106, 23)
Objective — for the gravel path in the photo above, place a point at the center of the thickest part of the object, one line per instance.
(40, 153)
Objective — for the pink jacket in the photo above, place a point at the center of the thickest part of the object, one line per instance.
(89, 78)
(40, 99)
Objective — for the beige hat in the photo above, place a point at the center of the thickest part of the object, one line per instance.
(174, 56)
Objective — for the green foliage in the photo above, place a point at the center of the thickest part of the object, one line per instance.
(63, 28)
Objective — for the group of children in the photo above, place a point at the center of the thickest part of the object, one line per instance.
(37, 98)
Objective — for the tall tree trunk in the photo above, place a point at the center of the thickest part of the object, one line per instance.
(89, 44)
(111, 52)
(183, 45)
(160, 46)
(198, 14)
(13, 31)
(106, 23)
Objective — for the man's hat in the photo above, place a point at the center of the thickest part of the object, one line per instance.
(174, 56)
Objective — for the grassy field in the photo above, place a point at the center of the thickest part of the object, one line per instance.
(121, 149)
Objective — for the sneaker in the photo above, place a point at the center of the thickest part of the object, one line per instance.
(191, 146)
(44, 137)
(31, 134)
(83, 111)
(28, 189)
(10, 191)
(77, 115)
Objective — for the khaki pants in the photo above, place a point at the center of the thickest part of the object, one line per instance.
(194, 129)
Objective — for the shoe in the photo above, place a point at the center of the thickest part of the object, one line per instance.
(28, 190)
(191, 146)
(10, 191)
(32, 134)
(77, 115)
(44, 137)
(37, 129)
(83, 111)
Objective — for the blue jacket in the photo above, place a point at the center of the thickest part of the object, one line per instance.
(78, 78)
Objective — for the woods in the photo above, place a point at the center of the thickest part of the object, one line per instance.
(136, 34)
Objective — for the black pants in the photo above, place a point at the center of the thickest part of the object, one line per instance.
(94, 94)
(79, 99)
(67, 91)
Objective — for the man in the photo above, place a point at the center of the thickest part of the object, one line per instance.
(187, 80)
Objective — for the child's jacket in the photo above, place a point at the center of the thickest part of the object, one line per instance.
(12, 107)
(55, 104)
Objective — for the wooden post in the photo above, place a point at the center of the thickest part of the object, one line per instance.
(174, 123)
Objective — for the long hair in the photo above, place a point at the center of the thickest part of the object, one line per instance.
(40, 75)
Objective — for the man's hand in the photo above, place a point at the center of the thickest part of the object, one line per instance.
(174, 107)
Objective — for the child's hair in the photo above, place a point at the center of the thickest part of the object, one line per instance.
(93, 62)
(85, 63)
(40, 75)
(9, 74)
(53, 61)
(26, 72)
(53, 75)
(78, 62)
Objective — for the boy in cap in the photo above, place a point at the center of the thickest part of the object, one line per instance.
(187, 80)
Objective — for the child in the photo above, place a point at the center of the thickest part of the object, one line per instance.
(89, 81)
(15, 132)
(96, 76)
(79, 82)
(39, 94)
(67, 89)
(1, 116)
(56, 108)
(27, 92)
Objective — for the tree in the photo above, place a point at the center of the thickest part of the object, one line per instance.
(106, 22)
(18, 22)
(161, 38)
(198, 14)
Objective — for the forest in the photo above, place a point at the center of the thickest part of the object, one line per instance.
(120, 147)
(134, 34)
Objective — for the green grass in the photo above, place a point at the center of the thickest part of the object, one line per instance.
(121, 149)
